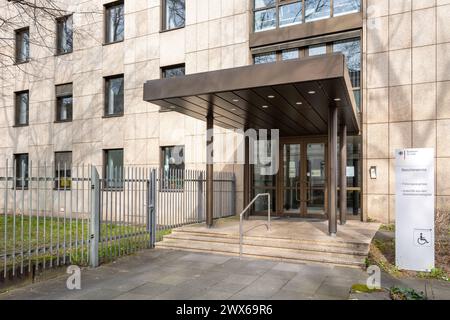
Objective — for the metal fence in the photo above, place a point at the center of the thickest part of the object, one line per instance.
(181, 197)
(57, 215)
(44, 217)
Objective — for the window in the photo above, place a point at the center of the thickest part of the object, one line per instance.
(114, 22)
(291, 14)
(173, 71)
(317, 50)
(64, 102)
(317, 10)
(22, 45)
(114, 168)
(265, 15)
(64, 35)
(173, 167)
(341, 7)
(271, 14)
(289, 54)
(265, 58)
(174, 14)
(352, 51)
(22, 108)
(21, 163)
(114, 96)
(63, 170)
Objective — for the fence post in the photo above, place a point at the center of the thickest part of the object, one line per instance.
(95, 217)
(200, 209)
(151, 207)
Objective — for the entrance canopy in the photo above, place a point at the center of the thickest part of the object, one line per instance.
(293, 96)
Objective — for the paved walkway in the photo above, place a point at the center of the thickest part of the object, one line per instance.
(166, 274)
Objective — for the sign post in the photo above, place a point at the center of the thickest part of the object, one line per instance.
(414, 207)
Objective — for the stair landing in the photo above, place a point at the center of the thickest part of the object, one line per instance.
(289, 239)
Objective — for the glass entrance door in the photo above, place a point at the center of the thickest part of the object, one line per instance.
(291, 178)
(303, 178)
(315, 179)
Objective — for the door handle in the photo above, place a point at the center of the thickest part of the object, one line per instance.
(308, 191)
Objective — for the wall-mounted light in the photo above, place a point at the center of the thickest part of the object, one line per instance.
(373, 172)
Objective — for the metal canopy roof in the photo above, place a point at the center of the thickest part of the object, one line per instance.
(292, 96)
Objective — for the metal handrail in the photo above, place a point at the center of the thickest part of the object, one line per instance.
(241, 233)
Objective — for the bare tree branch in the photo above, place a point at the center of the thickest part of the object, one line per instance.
(40, 16)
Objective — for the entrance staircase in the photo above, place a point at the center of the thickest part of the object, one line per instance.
(329, 250)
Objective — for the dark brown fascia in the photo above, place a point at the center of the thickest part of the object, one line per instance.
(253, 76)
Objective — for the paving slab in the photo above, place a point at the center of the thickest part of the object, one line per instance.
(334, 290)
(213, 295)
(132, 296)
(150, 289)
(291, 295)
(263, 287)
(168, 274)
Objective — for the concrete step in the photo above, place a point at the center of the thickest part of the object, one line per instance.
(271, 243)
(281, 254)
(330, 243)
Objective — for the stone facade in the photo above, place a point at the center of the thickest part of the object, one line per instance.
(215, 37)
(406, 82)
(405, 88)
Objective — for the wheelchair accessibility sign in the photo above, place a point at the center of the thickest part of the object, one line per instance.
(414, 209)
(422, 237)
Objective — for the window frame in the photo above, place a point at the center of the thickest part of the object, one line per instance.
(106, 7)
(179, 187)
(58, 21)
(18, 32)
(271, 53)
(281, 3)
(57, 99)
(354, 88)
(26, 179)
(171, 67)
(286, 3)
(106, 96)
(164, 18)
(274, 6)
(298, 50)
(17, 109)
(106, 184)
(345, 13)
(58, 176)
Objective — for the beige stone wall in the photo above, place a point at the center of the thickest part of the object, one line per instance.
(215, 37)
(406, 80)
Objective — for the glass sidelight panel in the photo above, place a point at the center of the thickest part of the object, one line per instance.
(291, 178)
(263, 183)
(353, 173)
(315, 178)
(261, 204)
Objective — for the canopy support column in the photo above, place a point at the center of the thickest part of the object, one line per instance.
(343, 176)
(209, 169)
(332, 169)
(247, 185)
